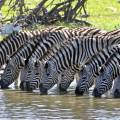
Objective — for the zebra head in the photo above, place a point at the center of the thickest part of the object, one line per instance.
(65, 79)
(103, 82)
(26, 73)
(11, 72)
(50, 77)
(31, 75)
(37, 74)
(86, 80)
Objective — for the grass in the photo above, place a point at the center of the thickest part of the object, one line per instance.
(104, 14)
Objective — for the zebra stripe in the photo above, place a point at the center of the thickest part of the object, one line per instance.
(58, 36)
(83, 48)
(91, 69)
(108, 72)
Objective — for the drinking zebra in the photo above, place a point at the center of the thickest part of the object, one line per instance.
(108, 73)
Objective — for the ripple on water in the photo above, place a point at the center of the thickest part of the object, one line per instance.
(21, 105)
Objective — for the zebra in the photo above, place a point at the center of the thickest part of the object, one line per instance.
(71, 54)
(13, 68)
(91, 69)
(42, 50)
(68, 75)
(108, 72)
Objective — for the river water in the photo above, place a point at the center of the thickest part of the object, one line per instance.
(16, 104)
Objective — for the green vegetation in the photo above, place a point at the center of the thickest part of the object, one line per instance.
(104, 14)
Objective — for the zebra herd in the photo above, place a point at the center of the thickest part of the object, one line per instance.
(55, 55)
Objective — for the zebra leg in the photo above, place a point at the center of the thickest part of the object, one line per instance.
(116, 88)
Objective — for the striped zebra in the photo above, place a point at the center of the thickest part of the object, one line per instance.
(92, 67)
(68, 75)
(41, 50)
(13, 66)
(77, 52)
(108, 73)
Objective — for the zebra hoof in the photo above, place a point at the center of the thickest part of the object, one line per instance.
(78, 92)
(116, 93)
(96, 93)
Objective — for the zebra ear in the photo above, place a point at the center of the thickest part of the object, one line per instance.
(46, 65)
(36, 63)
(85, 66)
(26, 61)
(7, 58)
(23, 61)
(99, 68)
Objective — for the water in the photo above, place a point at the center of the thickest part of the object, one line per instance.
(15, 105)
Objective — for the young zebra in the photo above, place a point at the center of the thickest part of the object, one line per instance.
(68, 75)
(76, 53)
(108, 72)
(14, 65)
(41, 50)
(92, 67)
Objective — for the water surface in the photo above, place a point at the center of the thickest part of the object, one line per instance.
(15, 105)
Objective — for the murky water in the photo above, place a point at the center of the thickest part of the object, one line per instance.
(15, 105)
